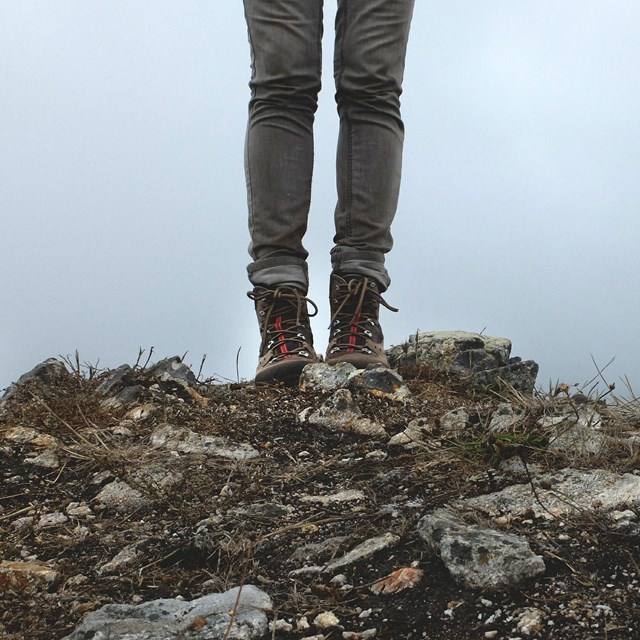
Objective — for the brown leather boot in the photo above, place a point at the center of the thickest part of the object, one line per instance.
(355, 333)
(287, 342)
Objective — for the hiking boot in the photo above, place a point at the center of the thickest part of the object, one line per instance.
(286, 340)
(355, 334)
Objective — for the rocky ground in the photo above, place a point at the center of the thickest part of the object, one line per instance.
(454, 501)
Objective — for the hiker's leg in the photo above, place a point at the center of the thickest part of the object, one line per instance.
(285, 38)
(371, 43)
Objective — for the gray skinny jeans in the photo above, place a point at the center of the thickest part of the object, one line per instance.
(370, 47)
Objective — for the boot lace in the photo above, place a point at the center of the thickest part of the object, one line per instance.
(284, 321)
(357, 310)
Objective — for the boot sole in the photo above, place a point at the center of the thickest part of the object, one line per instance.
(287, 372)
(358, 361)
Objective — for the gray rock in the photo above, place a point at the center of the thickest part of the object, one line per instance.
(128, 556)
(156, 477)
(452, 351)
(416, 433)
(477, 556)
(186, 441)
(504, 418)
(47, 374)
(262, 511)
(382, 382)
(578, 433)
(454, 422)
(484, 359)
(206, 618)
(115, 380)
(47, 460)
(364, 550)
(173, 370)
(348, 495)
(51, 520)
(519, 375)
(560, 493)
(318, 550)
(341, 413)
(125, 397)
(326, 377)
(121, 497)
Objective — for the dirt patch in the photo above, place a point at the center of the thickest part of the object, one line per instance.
(220, 522)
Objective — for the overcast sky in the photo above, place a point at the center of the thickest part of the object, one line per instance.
(123, 205)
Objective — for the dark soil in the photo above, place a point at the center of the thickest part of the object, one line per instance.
(206, 535)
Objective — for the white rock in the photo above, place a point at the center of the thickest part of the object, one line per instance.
(78, 509)
(531, 621)
(302, 624)
(579, 434)
(504, 418)
(326, 620)
(120, 496)
(349, 495)
(280, 625)
(341, 413)
(47, 460)
(170, 618)
(186, 441)
(627, 515)
(559, 493)
(326, 377)
(51, 520)
(454, 422)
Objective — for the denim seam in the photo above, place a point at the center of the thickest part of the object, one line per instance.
(348, 222)
(252, 224)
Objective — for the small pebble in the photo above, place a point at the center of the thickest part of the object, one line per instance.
(325, 620)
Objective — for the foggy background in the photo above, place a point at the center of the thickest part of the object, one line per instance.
(123, 206)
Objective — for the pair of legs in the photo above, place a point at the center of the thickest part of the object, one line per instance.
(286, 52)
(370, 47)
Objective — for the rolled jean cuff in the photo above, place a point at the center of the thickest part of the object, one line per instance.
(351, 261)
(278, 271)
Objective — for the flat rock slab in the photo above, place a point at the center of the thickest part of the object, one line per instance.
(376, 380)
(560, 493)
(186, 441)
(416, 433)
(120, 496)
(326, 377)
(25, 576)
(382, 382)
(341, 413)
(579, 433)
(206, 618)
(477, 556)
(364, 550)
(348, 495)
